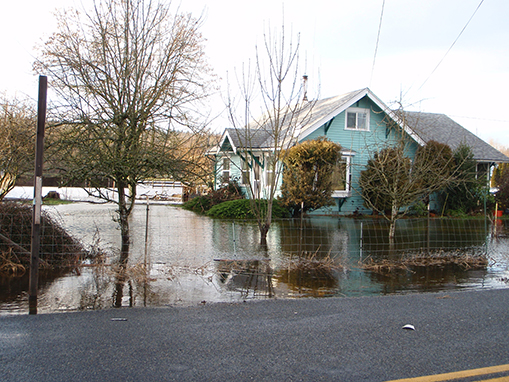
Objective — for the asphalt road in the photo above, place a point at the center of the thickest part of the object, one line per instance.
(333, 339)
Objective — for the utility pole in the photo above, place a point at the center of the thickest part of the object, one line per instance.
(36, 215)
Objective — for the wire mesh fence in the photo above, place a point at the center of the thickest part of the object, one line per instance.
(177, 255)
(172, 235)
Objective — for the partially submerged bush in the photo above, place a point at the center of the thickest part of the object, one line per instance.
(59, 250)
(241, 209)
(227, 192)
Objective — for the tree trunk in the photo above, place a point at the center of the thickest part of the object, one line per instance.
(392, 225)
(123, 221)
(264, 229)
(392, 229)
(265, 226)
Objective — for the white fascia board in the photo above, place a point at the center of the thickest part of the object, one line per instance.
(226, 135)
(212, 151)
(396, 118)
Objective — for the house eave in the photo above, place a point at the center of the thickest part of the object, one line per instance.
(316, 125)
(357, 97)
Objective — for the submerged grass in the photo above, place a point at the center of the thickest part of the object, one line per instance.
(465, 261)
(310, 274)
(312, 265)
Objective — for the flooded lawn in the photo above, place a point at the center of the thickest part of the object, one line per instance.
(192, 259)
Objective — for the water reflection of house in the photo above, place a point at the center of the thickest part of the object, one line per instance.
(361, 123)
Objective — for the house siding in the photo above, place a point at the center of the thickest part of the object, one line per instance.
(236, 173)
(364, 144)
(360, 145)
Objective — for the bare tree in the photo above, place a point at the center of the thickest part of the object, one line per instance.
(127, 75)
(17, 130)
(267, 118)
(392, 181)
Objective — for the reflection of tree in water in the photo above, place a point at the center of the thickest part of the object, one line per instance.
(14, 287)
(320, 237)
(424, 235)
(305, 236)
(310, 274)
(426, 278)
(314, 251)
(427, 254)
(249, 277)
(109, 285)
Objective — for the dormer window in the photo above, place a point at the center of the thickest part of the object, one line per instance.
(357, 119)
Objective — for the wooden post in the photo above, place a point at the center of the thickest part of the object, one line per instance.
(36, 215)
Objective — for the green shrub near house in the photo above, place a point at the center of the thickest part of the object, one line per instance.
(241, 209)
(201, 204)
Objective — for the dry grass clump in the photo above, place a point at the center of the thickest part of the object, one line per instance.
(242, 266)
(464, 261)
(310, 274)
(383, 266)
(10, 264)
(312, 265)
(59, 250)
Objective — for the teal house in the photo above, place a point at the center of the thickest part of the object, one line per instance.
(362, 124)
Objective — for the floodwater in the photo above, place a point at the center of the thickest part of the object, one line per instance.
(192, 259)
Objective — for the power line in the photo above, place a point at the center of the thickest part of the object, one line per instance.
(457, 38)
(479, 118)
(377, 41)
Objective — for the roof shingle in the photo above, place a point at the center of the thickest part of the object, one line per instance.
(441, 128)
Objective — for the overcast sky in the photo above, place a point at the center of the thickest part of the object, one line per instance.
(338, 41)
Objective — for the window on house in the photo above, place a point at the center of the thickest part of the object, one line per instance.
(270, 178)
(226, 170)
(342, 175)
(245, 171)
(270, 168)
(357, 119)
(339, 176)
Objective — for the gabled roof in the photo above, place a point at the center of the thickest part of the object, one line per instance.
(324, 110)
(310, 118)
(441, 128)
(258, 138)
(421, 127)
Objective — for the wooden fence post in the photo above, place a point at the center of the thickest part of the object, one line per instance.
(36, 215)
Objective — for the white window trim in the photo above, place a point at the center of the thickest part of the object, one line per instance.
(348, 191)
(357, 110)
